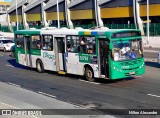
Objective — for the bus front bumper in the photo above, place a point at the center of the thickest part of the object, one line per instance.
(120, 74)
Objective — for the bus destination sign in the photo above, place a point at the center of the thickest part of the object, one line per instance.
(126, 34)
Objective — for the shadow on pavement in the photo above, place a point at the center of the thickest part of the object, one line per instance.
(13, 63)
(97, 80)
(152, 64)
(105, 81)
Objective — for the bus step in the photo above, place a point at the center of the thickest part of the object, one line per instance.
(61, 72)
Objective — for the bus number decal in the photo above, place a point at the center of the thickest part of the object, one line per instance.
(49, 56)
(84, 58)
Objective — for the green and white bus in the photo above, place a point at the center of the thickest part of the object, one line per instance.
(94, 53)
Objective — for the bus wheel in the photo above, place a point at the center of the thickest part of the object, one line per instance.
(12, 54)
(89, 74)
(39, 66)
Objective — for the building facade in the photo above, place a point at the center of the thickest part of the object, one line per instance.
(74, 13)
(4, 6)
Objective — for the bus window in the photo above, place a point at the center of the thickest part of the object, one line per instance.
(91, 45)
(20, 41)
(36, 42)
(87, 45)
(72, 44)
(83, 44)
(47, 43)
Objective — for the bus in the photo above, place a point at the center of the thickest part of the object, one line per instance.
(93, 53)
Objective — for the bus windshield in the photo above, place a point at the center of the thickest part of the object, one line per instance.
(127, 50)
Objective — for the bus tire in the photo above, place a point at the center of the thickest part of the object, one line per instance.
(12, 54)
(39, 66)
(89, 75)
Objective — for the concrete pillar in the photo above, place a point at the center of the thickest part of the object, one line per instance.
(67, 14)
(137, 18)
(99, 21)
(44, 21)
(25, 24)
(9, 23)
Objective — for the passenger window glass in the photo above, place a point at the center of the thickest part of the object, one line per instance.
(20, 41)
(87, 44)
(36, 42)
(72, 44)
(47, 43)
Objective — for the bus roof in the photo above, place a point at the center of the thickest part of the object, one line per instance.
(74, 31)
(29, 31)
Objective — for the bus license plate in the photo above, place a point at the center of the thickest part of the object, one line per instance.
(132, 73)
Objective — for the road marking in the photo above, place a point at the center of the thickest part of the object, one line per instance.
(14, 84)
(151, 51)
(151, 59)
(1, 55)
(89, 82)
(154, 95)
(46, 94)
(9, 105)
(9, 65)
(139, 76)
(14, 108)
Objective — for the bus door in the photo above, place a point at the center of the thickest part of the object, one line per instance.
(60, 58)
(104, 52)
(27, 51)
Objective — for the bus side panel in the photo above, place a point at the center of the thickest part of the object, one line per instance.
(73, 65)
(34, 59)
(20, 56)
(48, 59)
(36, 54)
(95, 70)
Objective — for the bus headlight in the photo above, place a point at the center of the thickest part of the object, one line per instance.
(141, 65)
(119, 70)
(114, 67)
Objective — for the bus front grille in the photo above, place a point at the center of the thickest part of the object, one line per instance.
(131, 68)
(130, 63)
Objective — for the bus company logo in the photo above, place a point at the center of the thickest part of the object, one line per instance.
(125, 67)
(6, 112)
(49, 56)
